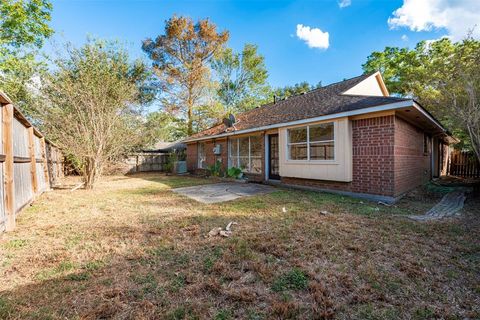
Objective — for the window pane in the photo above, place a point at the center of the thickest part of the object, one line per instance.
(233, 153)
(298, 151)
(256, 166)
(297, 135)
(255, 146)
(321, 132)
(233, 147)
(244, 164)
(243, 147)
(322, 151)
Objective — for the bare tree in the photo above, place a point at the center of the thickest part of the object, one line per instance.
(91, 106)
(181, 61)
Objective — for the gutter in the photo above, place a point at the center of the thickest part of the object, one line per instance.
(384, 107)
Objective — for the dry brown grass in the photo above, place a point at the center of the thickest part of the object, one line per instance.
(133, 249)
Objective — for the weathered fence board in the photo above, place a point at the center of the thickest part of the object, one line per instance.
(24, 163)
(143, 162)
(463, 164)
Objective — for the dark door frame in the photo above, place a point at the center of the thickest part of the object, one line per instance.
(269, 155)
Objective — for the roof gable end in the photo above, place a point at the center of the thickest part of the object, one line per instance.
(373, 85)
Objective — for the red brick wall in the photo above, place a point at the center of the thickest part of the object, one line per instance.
(412, 166)
(373, 145)
(191, 156)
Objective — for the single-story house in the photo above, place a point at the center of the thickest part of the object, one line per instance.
(350, 137)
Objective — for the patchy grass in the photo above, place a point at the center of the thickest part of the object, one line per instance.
(131, 248)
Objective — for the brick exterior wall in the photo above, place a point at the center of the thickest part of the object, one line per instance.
(388, 159)
(412, 165)
(191, 156)
(373, 144)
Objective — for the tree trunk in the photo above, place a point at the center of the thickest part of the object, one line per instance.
(90, 173)
(189, 117)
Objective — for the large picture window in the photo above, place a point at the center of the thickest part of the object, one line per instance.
(246, 153)
(201, 157)
(315, 142)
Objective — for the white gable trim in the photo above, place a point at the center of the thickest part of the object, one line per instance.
(385, 107)
(370, 86)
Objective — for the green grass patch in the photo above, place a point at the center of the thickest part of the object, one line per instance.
(63, 267)
(16, 244)
(295, 279)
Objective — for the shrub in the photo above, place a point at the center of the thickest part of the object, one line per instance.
(234, 172)
(215, 170)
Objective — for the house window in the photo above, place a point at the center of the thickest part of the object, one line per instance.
(315, 142)
(201, 157)
(246, 153)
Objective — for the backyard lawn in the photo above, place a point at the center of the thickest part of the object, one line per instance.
(133, 249)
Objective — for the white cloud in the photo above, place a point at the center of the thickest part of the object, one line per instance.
(457, 17)
(404, 37)
(344, 3)
(314, 37)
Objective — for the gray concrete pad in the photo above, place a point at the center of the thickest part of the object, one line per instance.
(220, 192)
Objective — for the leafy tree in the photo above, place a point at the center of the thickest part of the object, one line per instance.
(91, 104)
(23, 30)
(181, 60)
(298, 88)
(162, 126)
(242, 79)
(444, 76)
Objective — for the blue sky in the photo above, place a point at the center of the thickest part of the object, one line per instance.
(354, 31)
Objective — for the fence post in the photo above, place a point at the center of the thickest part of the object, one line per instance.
(45, 162)
(8, 166)
(33, 161)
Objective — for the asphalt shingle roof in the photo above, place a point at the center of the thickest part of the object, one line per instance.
(318, 102)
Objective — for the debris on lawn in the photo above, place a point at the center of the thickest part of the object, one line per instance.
(77, 186)
(229, 226)
(284, 210)
(384, 203)
(324, 212)
(220, 232)
(214, 232)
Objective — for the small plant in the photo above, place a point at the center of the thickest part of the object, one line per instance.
(171, 159)
(215, 169)
(16, 244)
(235, 173)
(292, 280)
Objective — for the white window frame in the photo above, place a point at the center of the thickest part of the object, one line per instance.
(238, 157)
(201, 161)
(314, 142)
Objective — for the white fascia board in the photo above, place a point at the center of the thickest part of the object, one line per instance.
(384, 107)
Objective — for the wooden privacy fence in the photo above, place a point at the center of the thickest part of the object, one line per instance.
(143, 162)
(29, 164)
(463, 164)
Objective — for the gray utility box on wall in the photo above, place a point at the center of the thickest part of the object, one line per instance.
(217, 149)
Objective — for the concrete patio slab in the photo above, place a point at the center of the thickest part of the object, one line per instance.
(220, 192)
